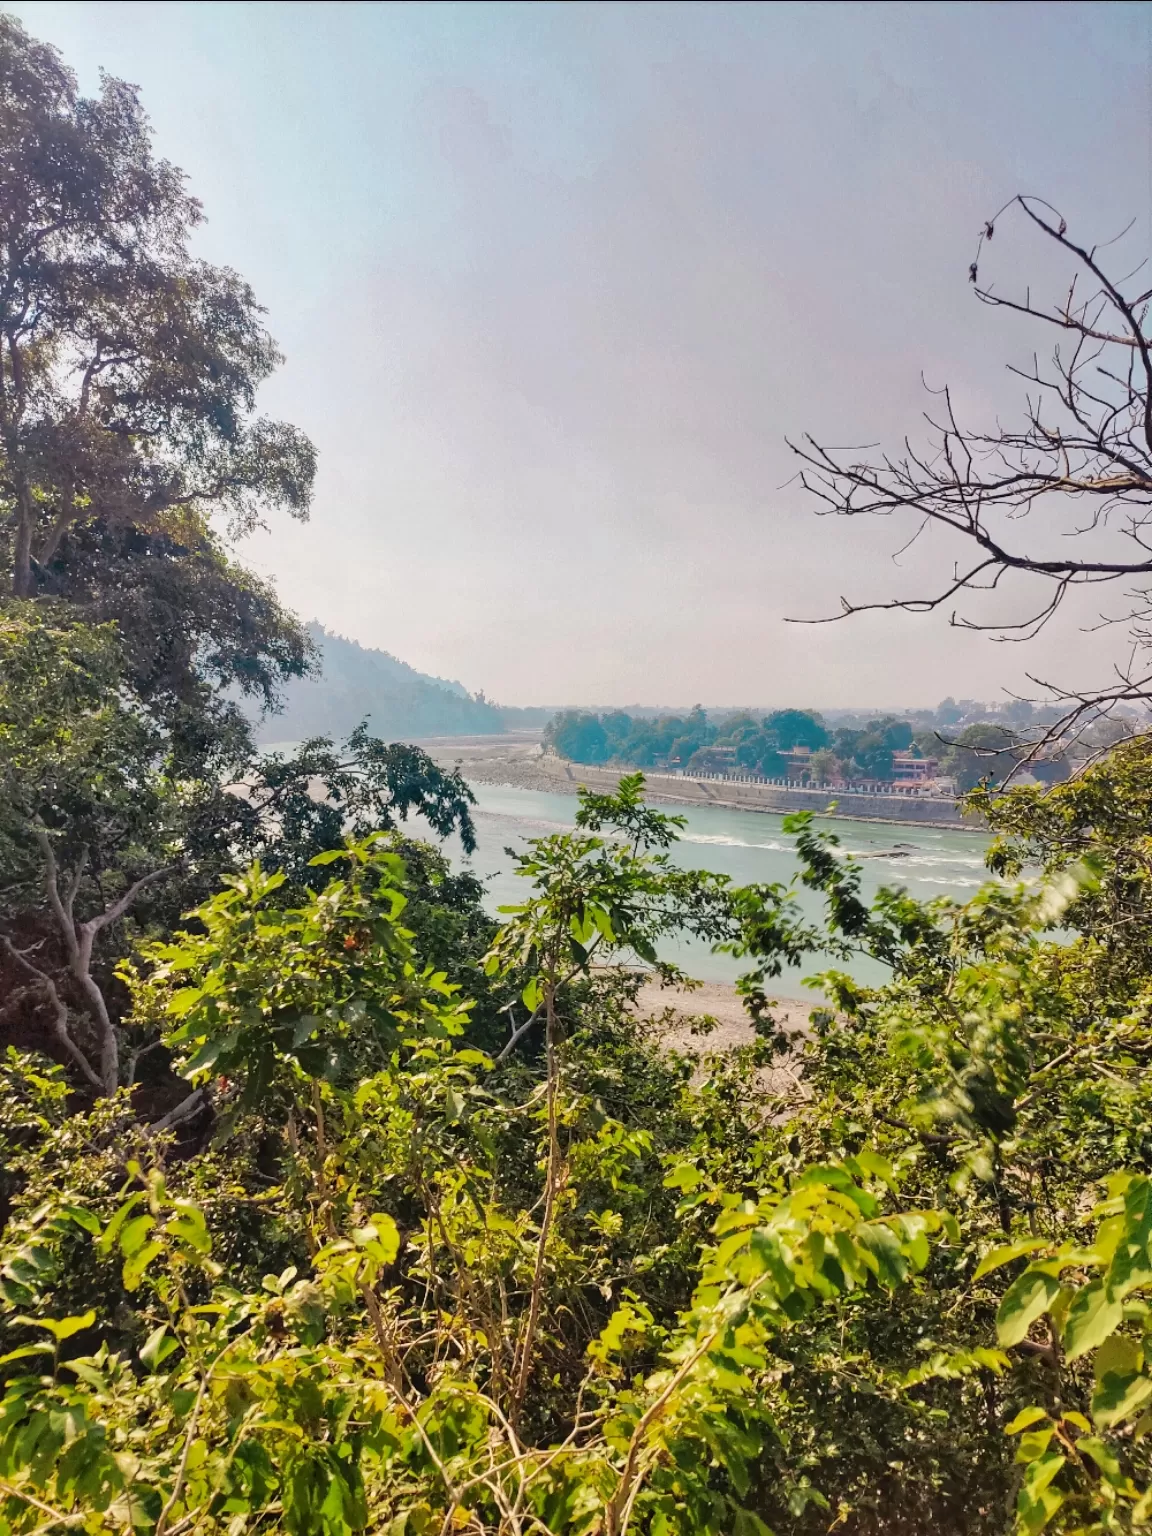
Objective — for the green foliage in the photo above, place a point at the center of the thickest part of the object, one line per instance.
(617, 737)
(311, 1399)
(325, 991)
(439, 1340)
(979, 754)
(353, 681)
(1100, 818)
(591, 1284)
(576, 1287)
(868, 752)
(100, 826)
(132, 367)
(375, 1215)
(674, 739)
(740, 743)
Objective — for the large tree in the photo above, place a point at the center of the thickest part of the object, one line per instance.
(133, 644)
(128, 368)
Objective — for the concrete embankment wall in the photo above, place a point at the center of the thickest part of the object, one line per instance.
(736, 794)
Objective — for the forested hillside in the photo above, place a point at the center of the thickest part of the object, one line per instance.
(351, 683)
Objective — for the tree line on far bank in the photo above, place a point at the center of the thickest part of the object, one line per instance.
(741, 743)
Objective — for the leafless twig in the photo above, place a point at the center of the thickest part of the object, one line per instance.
(1085, 439)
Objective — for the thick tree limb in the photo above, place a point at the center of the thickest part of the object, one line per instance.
(60, 1030)
(185, 1110)
(79, 939)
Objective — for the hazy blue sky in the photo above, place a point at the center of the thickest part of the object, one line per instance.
(554, 283)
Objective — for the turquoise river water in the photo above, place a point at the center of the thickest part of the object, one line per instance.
(746, 845)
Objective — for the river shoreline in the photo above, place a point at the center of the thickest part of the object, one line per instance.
(514, 762)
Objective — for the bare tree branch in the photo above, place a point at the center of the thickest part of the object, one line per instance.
(122, 904)
(1085, 437)
(192, 1105)
(60, 1030)
(79, 939)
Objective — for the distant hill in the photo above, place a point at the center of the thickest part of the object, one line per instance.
(399, 702)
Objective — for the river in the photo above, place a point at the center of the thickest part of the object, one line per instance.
(746, 845)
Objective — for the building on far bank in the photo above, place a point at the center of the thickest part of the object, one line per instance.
(908, 769)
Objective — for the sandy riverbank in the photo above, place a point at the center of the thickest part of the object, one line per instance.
(513, 759)
(719, 1000)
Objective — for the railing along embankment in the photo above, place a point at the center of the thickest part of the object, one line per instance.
(748, 794)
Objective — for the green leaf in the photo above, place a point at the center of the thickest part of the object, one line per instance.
(112, 1230)
(85, 1219)
(996, 1257)
(1038, 1501)
(61, 1328)
(1104, 1457)
(134, 1233)
(303, 1030)
(208, 1054)
(184, 1001)
(1023, 1419)
(134, 1268)
(683, 1176)
(871, 1164)
(602, 921)
(532, 994)
(158, 1346)
(1118, 1397)
(382, 1234)
(1034, 1443)
(88, 1371)
(881, 1243)
(626, 1319)
(1118, 1356)
(1093, 1315)
(25, 1351)
(1026, 1299)
(187, 1224)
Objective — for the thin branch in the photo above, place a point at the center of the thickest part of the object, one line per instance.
(1086, 435)
(185, 1110)
(119, 907)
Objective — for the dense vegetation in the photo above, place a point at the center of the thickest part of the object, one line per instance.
(742, 744)
(616, 737)
(331, 1204)
(465, 1246)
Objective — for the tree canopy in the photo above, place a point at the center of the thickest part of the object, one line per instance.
(134, 646)
(128, 369)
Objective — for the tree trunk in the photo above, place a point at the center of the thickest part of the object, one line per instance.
(22, 585)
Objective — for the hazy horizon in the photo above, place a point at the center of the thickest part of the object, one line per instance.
(554, 282)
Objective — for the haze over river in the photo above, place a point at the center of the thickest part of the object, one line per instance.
(748, 846)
